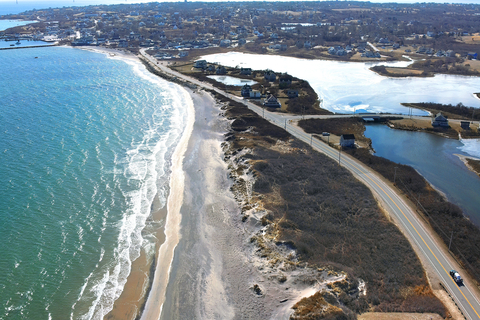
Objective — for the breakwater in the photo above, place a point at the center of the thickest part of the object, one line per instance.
(29, 47)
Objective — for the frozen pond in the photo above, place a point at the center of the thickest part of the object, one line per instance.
(232, 81)
(346, 86)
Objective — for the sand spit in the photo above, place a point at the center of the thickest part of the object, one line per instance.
(465, 161)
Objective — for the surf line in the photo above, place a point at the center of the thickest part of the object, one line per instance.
(156, 298)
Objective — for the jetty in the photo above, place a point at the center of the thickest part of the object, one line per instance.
(28, 47)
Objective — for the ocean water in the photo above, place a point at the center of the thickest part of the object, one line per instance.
(86, 144)
(5, 24)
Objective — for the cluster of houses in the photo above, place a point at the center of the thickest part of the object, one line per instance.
(276, 26)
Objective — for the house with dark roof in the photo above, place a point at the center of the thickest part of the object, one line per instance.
(272, 102)
(439, 121)
(347, 140)
(221, 70)
(292, 93)
(270, 76)
(465, 125)
(246, 90)
(246, 71)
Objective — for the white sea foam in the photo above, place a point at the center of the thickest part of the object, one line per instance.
(155, 301)
(143, 165)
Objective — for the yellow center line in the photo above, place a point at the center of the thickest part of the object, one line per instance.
(360, 169)
(366, 174)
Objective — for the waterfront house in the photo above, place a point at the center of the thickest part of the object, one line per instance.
(246, 89)
(221, 70)
(439, 121)
(246, 71)
(201, 64)
(271, 102)
(465, 125)
(347, 140)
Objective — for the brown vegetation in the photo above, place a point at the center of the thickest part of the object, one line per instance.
(443, 216)
(400, 72)
(306, 103)
(332, 220)
(458, 111)
(475, 165)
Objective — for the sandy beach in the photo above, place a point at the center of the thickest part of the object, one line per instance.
(206, 266)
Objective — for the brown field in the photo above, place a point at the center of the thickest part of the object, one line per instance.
(474, 39)
(336, 127)
(398, 316)
(404, 71)
(313, 205)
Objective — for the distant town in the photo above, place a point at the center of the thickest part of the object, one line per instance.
(446, 34)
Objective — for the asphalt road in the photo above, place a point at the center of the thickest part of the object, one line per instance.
(435, 255)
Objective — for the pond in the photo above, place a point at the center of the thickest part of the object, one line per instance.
(348, 86)
(435, 158)
(232, 81)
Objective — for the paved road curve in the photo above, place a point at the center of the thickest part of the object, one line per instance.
(463, 296)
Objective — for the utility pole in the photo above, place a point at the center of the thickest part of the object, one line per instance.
(451, 237)
(395, 175)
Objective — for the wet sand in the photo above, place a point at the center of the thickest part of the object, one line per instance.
(132, 300)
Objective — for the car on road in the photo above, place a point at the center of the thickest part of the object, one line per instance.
(325, 134)
(456, 277)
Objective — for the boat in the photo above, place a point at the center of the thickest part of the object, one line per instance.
(18, 42)
(12, 45)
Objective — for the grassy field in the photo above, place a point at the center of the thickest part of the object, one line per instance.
(332, 220)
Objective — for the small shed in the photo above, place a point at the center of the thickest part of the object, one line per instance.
(465, 125)
(347, 140)
(255, 94)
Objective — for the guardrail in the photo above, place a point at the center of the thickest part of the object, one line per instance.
(458, 307)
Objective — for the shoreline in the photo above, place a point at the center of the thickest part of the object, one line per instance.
(465, 159)
(153, 309)
(149, 274)
(156, 297)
